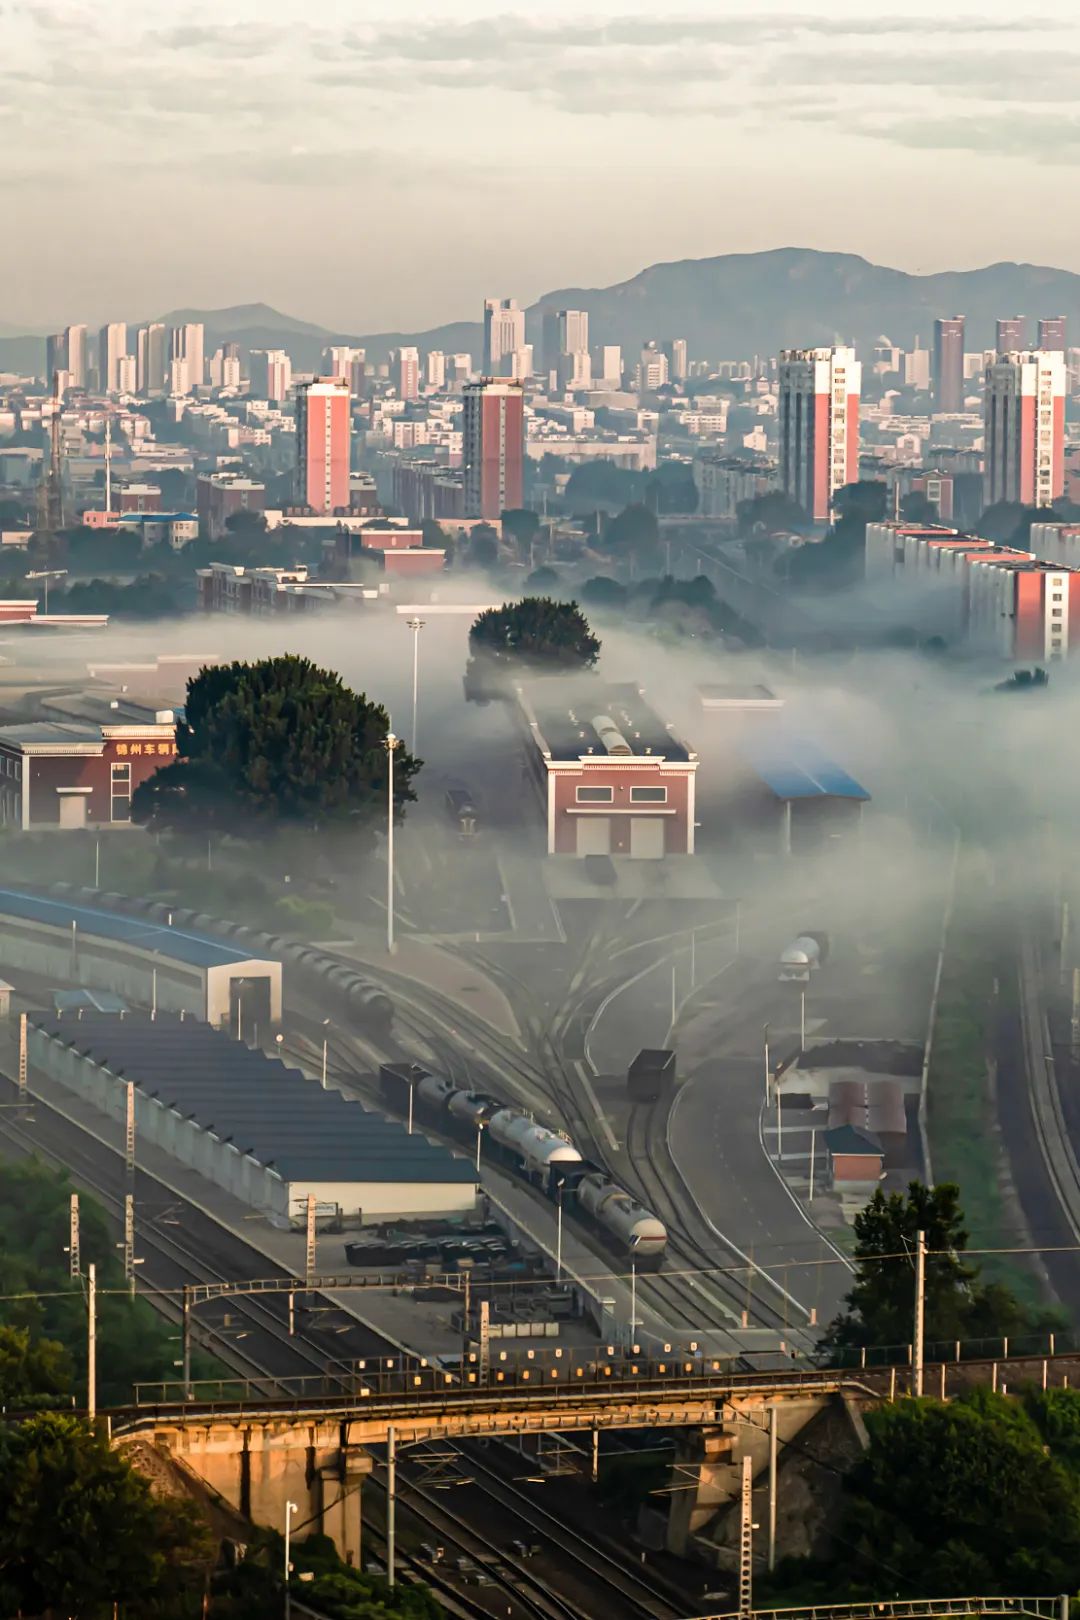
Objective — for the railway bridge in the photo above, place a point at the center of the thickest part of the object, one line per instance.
(313, 1448)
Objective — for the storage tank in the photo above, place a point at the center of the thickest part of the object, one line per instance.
(470, 1107)
(618, 1213)
(435, 1090)
(803, 957)
(538, 1148)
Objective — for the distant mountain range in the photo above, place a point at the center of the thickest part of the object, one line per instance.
(728, 307)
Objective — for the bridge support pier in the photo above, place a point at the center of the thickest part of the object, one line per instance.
(258, 1468)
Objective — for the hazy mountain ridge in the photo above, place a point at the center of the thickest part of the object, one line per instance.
(727, 307)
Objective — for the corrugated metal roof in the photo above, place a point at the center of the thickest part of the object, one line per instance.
(194, 949)
(255, 1103)
(793, 768)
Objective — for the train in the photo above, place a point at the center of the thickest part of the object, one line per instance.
(546, 1158)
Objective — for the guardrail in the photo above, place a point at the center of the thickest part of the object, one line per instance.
(1040, 1608)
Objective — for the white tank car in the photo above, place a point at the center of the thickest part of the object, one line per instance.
(435, 1090)
(469, 1107)
(614, 1209)
(539, 1149)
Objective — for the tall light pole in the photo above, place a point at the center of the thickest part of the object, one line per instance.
(391, 744)
(290, 1509)
(415, 625)
(917, 1349)
(325, 1042)
(558, 1235)
(479, 1133)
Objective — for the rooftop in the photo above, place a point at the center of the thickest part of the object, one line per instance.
(584, 715)
(194, 949)
(793, 768)
(282, 1119)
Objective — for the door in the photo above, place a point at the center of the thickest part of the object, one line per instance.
(594, 835)
(73, 809)
(647, 838)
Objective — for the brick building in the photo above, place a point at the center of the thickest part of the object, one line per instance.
(613, 777)
(69, 775)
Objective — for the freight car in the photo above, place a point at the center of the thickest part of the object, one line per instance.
(544, 1157)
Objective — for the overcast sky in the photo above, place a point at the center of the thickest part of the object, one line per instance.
(372, 165)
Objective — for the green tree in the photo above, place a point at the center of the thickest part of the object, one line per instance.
(32, 1373)
(521, 527)
(537, 631)
(770, 513)
(246, 522)
(915, 507)
(483, 546)
(633, 531)
(960, 1498)
(80, 1530)
(275, 741)
(604, 592)
(432, 534)
(959, 1305)
(541, 579)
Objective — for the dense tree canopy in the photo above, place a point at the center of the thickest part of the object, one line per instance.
(880, 1304)
(80, 1530)
(537, 631)
(632, 532)
(275, 741)
(770, 513)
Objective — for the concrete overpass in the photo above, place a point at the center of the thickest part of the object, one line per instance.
(314, 1449)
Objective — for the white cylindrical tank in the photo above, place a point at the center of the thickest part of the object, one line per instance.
(537, 1147)
(618, 1213)
(435, 1090)
(469, 1107)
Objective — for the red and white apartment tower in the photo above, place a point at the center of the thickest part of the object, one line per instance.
(323, 426)
(819, 426)
(493, 448)
(1025, 428)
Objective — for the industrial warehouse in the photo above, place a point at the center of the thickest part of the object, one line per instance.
(262, 1131)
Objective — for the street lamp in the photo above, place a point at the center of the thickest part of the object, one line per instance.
(46, 574)
(415, 625)
(479, 1133)
(325, 1039)
(391, 744)
(290, 1509)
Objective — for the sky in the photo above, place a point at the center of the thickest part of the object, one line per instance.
(375, 166)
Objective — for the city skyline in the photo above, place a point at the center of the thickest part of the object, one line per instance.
(797, 96)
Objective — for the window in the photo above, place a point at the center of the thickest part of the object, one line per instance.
(120, 806)
(595, 795)
(648, 795)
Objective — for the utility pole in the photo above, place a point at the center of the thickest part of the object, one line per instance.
(391, 744)
(91, 1343)
(185, 1341)
(920, 1309)
(391, 1502)
(484, 1368)
(74, 1264)
(129, 1241)
(766, 1062)
(415, 625)
(774, 1417)
(310, 1256)
(746, 1540)
(290, 1509)
(24, 1089)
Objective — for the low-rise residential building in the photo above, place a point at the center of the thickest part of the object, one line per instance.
(219, 495)
(723, 481)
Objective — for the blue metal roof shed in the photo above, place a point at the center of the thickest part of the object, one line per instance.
(793, 768)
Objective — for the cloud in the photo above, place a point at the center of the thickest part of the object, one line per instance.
(1050, 138)
(236, 40)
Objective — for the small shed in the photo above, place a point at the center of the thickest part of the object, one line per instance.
(856, 1159)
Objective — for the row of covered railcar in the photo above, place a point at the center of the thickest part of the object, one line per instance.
(546, 1158)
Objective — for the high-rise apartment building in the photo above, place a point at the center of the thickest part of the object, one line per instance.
(75, 338)
(152, 359)
(435, 369)
(407, 373)
(323, 429)
(504, 334)
(336, 360)
(55, 356)
(493, 447)
(675, 354)
(574, 370)
(607, 364)
(949, 365)
(1052, 334)
(357, 374)
(112, 346)
(1025, 428)
(573, 331)
(126, 374)
(652, 369)
(271, 375)
(819, 426)
(189, 345)
(1011, 334)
